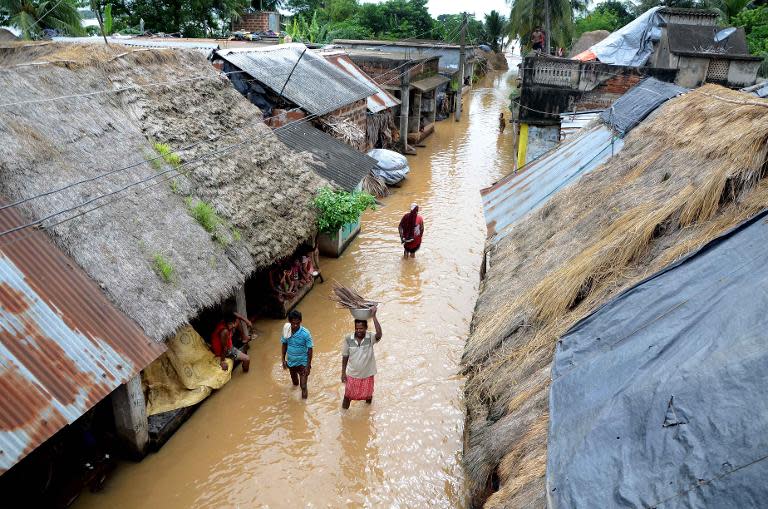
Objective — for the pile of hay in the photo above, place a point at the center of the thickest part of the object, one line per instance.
(687, 174)
(258, 196)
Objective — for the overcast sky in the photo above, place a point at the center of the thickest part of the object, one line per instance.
(479, 7)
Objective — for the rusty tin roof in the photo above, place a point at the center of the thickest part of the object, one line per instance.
(63, 345)
(377, 102)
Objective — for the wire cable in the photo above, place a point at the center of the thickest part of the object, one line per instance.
(174, 171)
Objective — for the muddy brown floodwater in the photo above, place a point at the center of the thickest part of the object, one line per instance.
(255, 443)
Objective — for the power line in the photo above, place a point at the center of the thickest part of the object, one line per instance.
(174, 171)
(133, 184)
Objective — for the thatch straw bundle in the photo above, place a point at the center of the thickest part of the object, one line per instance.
(375, 186)
(693, 170)
(260, 191)
(348, 298)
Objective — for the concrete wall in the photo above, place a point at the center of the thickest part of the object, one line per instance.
(448, 57)
(743, 73)
(552, 86)
(130, 412)
(540, 140)
(691, 71)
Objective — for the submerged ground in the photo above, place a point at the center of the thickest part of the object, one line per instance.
(255, 443)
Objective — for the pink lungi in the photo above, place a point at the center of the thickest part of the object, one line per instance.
(358, 389)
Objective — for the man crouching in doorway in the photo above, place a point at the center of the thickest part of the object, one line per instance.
(297, 352)
(358, 363)
(221, 341)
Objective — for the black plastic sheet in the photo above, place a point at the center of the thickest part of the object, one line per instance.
(640, 101)
(659, 398)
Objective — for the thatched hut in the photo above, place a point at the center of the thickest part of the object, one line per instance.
(691, 171)
(161, 248)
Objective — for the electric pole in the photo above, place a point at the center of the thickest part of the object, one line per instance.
(547, 27)
(461, 65)
(405, 105)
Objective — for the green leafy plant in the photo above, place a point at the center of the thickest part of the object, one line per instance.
(337, 207)
(167, 153)
(162, 267)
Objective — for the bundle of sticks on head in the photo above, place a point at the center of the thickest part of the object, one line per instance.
(348, 298)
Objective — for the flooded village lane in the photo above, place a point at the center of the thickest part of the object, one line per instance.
(255, 443)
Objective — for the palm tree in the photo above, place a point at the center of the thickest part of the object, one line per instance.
(555, 16)
(495, 25)
(32, 17)
(729, 8)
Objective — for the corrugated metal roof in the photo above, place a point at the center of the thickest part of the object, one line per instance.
(336, 161)
(63, 345)
(631, 108)
(316, 85)
(572, 123)
(430, 83)
(203, 47)
(377, 102)
(514, 196)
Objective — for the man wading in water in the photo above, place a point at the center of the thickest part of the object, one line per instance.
(411, 230)
(298, 348)
(358, 363)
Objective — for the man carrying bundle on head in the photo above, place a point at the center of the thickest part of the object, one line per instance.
(411, 230)
(358, 363)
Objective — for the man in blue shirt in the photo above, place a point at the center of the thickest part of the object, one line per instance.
(297, 352)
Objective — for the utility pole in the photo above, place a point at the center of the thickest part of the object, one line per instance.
(405, 105)
(547, 27)
(461, 64)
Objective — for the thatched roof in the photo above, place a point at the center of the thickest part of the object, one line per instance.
(685, 175)
(586, 40)
(261, 191)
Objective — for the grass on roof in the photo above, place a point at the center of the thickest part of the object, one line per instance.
(163, 267)
(204, 214)
(167, 153)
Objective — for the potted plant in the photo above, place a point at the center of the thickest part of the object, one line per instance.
(338, 218)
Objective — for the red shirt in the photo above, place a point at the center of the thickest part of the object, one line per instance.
(418, 232)
(216, 340)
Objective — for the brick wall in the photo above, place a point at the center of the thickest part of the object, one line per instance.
(607, 92)
(281, 117)
(256, 22)
(355, 112)
(389, 72)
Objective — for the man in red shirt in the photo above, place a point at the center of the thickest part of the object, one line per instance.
(411, 230)
(221, 341)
